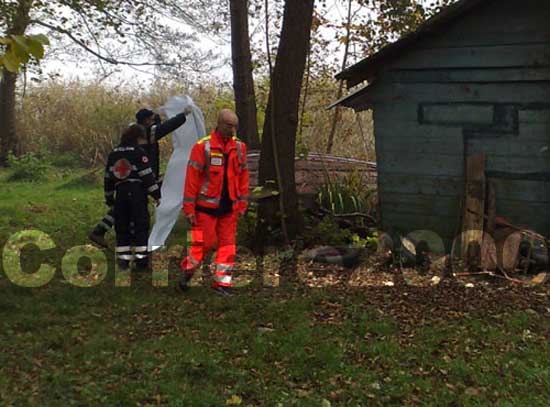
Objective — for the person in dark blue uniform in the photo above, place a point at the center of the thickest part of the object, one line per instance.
(154, 131)
(129, 179)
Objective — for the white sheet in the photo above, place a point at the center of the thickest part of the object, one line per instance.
(183, 139)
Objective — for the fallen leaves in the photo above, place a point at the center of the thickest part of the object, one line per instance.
(234, 400)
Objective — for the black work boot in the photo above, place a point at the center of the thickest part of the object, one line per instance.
(98, 237)
(123, 264)
(223, 291)
(143, 265)
(183, 283)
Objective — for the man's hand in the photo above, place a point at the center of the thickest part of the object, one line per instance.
(187, 111)
(191, 218)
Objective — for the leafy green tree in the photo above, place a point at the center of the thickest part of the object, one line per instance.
(19, 49)
(138, 33)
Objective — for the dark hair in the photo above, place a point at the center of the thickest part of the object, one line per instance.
(143, 114)
(131, 135)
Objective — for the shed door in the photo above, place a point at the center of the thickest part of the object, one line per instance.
(517, 149)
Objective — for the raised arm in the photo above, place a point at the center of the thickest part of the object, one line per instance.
(159, 131)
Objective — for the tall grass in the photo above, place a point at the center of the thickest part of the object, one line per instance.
(84, 120)
(71, 117)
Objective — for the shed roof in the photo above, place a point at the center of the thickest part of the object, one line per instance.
(366, 68)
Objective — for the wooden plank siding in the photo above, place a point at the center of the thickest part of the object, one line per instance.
(482, 86)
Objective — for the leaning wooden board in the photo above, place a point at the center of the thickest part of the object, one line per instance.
(474, 205)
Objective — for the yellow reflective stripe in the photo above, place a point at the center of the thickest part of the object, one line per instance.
(207, 158)
(207, 199)
(202, 140)
(216, 154)
(240, 153)
(196, 164)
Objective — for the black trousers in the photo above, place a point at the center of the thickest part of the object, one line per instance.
(131, 217)
(108, 221)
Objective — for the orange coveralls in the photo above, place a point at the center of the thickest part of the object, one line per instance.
(212, 159)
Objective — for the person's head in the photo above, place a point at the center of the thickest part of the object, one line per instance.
(228, 123)
(132, 135)
(145, 117)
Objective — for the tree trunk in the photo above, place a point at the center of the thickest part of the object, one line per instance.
(243, 81)
(8, 133)
(337, 109)
(282, 118)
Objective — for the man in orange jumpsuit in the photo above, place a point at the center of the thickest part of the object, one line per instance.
(215, 196)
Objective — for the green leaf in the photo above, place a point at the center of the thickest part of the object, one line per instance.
(36, 49)
(19, 48)
(341, 202)
(41, 38)
(11, 62)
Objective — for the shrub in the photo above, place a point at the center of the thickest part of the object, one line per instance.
(326, 233)
(347, 196)
(27, 167)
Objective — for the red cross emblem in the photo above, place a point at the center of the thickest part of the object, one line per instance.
(122, 168)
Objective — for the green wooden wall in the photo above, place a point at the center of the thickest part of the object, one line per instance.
(483, 85)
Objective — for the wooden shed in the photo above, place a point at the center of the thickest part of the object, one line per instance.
(473, 79)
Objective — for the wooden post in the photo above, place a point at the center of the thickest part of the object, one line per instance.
(474, 208)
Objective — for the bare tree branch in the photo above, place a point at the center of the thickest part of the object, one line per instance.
(97, 54)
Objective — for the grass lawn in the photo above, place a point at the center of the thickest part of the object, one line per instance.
(286, 346)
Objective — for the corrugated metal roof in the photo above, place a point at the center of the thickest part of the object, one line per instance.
(365, 69)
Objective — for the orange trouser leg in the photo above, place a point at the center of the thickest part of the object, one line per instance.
(226, 229)
(203, 238)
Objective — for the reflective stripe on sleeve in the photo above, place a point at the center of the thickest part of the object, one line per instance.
(196, 165)
(144, 172)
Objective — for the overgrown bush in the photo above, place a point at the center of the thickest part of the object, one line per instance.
(326, 233)
(69, 160)
(27, 167)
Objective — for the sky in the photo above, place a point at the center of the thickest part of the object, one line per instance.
(74, 68)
